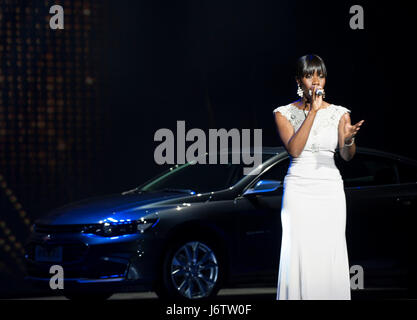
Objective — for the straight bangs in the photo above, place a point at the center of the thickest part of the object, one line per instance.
(308, 64)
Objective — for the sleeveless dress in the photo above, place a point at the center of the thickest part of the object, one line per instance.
(314, 259)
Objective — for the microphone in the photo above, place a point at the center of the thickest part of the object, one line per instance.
(319, 92)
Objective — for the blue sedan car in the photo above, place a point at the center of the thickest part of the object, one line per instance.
(200, 227)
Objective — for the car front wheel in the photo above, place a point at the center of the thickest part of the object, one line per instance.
(191, 270)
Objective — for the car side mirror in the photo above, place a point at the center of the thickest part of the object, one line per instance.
(264, 186)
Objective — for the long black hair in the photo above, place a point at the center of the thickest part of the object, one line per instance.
(308, 64)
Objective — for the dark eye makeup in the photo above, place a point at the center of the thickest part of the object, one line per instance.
(310, 75)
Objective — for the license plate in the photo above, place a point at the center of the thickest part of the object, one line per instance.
(48, 254)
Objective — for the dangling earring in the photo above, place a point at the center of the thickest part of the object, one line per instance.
(299, 91)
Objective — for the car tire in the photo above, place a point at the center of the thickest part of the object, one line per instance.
(87, 296)
(185, 278)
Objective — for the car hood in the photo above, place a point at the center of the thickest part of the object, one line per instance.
(114, 206)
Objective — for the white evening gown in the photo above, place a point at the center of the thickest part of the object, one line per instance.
(314, 259)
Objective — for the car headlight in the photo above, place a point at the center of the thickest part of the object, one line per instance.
(118, 228)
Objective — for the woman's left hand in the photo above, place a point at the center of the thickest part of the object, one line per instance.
(352, 130)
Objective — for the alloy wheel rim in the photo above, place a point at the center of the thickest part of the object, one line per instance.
(194, 270)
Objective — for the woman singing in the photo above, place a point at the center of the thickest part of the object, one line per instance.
(314, 259)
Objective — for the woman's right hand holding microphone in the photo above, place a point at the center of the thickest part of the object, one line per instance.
(316, 101)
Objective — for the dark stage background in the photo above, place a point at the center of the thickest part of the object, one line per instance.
(79, 107)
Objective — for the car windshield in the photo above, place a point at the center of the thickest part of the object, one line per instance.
(198, 178)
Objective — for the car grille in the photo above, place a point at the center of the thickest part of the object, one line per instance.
(53, 229)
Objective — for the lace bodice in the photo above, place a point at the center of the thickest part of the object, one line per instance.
(324, 132)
